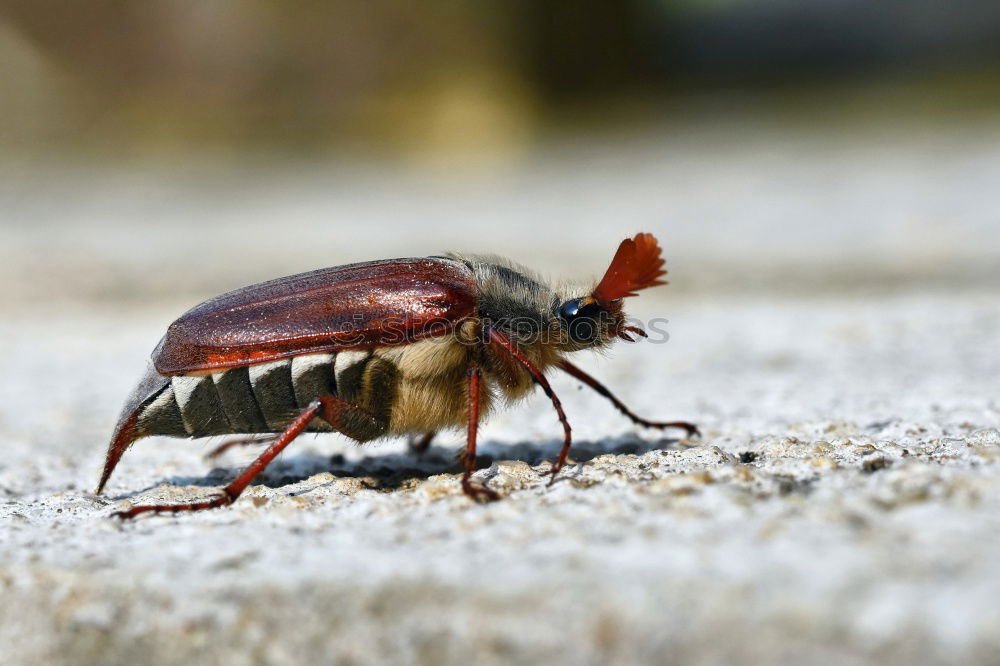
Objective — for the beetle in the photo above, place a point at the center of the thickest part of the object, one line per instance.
(377, 349)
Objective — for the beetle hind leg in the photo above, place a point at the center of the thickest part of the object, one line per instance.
(343, 416)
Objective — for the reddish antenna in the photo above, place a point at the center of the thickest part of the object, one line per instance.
(637, 265)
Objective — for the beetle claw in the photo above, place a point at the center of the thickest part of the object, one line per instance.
(479, 493)
(222, 499)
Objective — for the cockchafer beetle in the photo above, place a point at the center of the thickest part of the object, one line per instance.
(377, 349)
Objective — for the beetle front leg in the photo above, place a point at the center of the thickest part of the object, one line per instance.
(571, 369)
(475, 491)
(507, 346)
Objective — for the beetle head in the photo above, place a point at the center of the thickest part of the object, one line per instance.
(597, 319)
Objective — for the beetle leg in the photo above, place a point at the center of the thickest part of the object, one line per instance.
(345, 417)
(243, 441)
(503, 342)
(419, 445)
(571, 369)
(233, 490)
(476, 492)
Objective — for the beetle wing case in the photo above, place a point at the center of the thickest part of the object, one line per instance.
(357, 306)
(380, 303)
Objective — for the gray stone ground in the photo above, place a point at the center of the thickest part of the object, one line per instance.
(833, 328)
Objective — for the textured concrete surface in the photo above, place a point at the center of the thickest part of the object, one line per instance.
(842, 507)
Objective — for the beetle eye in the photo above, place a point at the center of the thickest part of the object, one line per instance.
(581, 320)
(570, 308)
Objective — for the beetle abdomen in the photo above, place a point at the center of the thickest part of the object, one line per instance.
(254, 399)
(261, 398)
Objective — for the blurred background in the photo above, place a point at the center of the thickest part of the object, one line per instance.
(177, 148)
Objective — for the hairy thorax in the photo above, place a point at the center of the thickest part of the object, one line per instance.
(431, 380)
